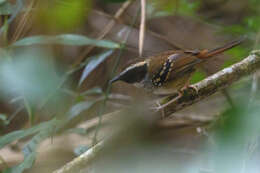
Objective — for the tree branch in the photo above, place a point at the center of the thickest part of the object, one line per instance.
(214, 83)
(84, 159)
(205, 88)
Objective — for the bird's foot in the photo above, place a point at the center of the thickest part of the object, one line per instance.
(188, 88)
(181, 93)
(162, 110)
(161, 107)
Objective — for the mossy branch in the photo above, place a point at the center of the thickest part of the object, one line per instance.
(214, 83)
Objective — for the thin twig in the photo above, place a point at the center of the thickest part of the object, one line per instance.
(142, 27)
(103, 105)
(105, 31)
(22, 22)
(19, 7)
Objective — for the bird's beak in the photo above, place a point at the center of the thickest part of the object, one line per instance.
(116, 78)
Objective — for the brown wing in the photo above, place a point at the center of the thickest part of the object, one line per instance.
(174, 66)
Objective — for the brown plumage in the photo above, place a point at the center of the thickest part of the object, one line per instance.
(169, 71)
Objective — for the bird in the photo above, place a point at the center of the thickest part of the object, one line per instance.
(168, 72)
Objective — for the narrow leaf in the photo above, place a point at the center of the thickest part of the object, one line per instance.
(92, 91)
(29, 150)
(80, 131)
(10, 137)
(65, 39)
(79, 108)
(3, 119)
(93, 62)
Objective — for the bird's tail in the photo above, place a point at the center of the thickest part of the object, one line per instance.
(204, 54)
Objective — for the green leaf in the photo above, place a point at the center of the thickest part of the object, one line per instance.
(26, 164)
(79, 108)
(92, 91)
(29, 110)
(3, 118)
(80, 131)
(237, 54)
(6, 8)
(114, 1)
(29, 150)
(92, 63)
(234, 29)
(10, 137)
(65, 39)
(168, 7)
(188, 8)
(253, 23)
(63, 15)
(2, 2)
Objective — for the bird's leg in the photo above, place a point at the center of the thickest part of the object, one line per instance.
(169, 102)
(161, 106)
(162, 110)
(193, 52)
(180, 94)
(188, 86)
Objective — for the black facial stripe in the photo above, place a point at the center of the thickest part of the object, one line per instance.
(132, 74)
(161, 76)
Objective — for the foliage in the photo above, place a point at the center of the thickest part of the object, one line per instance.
(68, 13)
(169, 7)
(65, 39)
(6, 8)
(27, 73)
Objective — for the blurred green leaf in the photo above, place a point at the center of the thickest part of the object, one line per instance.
(80, 150)
(26, 164)
(62, 15)
(29, 150)
(253, 23)
(237, 54)
(2, 1)
(79, 108)
(16, 135)
(113, 1)
(198, 76)
(187, 7)
(65, 39)
(235, 29)
(6, 8)
(92, 91)
(29, 110)
(30, 74)
(236, 129)
(168, 7)
(4, 119)
(80, 131)
(92, 63)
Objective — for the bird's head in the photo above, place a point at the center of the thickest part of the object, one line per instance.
(132, 74)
